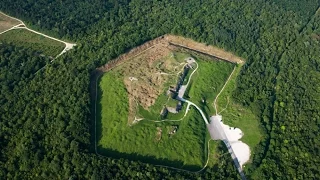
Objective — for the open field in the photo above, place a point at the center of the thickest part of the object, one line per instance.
(207, 82)
(132, 95)
(38, 41)
(145, 139)
(25, 38)
(7, 22)
(184, 149)
(237, 116)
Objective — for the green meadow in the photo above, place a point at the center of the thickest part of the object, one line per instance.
(149, 140)
(35, 42)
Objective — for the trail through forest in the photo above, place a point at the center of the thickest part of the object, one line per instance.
(68, 46)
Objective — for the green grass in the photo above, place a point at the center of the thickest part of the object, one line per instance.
(186, 149)
(25, 38)
(237, 116)
(154, 111)
(110, 118)
(206, 83)
(182, 150)
(180, 56)
(172, 102)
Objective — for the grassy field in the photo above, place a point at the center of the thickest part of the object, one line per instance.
(150, 141)
(207, 82)
(113, 105)
(7, 22)
(25, 38)
(184, 149)
(235, 115)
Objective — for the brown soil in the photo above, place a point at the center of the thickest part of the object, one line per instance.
(200, 47)
(147, 84)
(7, 22)
(173, 40)
(158, 134)
(315, 36)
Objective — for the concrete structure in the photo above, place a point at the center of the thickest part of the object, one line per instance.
(239, 151)
(182, 90)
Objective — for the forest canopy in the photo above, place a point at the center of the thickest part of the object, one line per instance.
(46, 127)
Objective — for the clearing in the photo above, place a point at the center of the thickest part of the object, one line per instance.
(155, 101)
(11, 24)
(25, 38)
(6, 22)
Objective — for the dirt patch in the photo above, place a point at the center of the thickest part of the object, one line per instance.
(158, 134)
(200, 47)
(148, 83)
(315, 36)
(166, 40)
(7, 22)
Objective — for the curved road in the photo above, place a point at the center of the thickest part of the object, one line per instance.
(201, 112)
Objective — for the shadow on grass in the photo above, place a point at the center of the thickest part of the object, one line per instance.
(147, 159)
(119, 155)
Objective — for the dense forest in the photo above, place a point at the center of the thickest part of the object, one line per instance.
(45, 125)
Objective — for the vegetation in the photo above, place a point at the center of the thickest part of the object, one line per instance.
(112, 109)
(294, 128)
(184, 149)
(32, 41)
(45, 118)
(151, 141)
(236, 115)
(7, 22)
(207, 82)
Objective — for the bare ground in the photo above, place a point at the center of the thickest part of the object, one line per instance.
(210, 50)
(7, 22)
(166, 40)
(148, 84)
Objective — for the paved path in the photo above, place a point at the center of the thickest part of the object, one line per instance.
(220, 129)
(183, 88)
(235, 159)
(68, 46)
(169, 120)
(201, 112)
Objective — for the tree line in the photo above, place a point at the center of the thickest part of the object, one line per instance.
(46, 130)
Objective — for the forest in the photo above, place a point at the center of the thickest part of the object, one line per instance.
(46, 129)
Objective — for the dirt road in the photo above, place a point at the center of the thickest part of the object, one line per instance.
(216, 99)
(68, 46)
